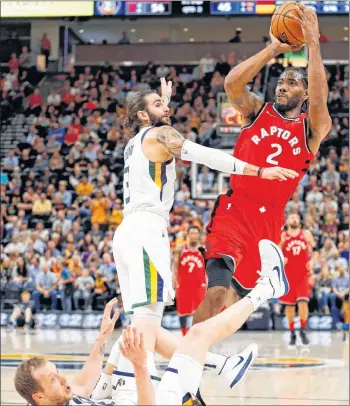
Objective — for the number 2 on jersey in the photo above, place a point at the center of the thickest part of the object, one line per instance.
(274, 154)
(126, 185)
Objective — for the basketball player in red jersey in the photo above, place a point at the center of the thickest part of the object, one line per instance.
(190, 279)
(272, 134)
(297, 245)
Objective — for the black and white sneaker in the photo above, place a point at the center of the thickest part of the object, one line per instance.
(237, 366)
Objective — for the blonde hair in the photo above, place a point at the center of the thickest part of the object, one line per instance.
(26, 385)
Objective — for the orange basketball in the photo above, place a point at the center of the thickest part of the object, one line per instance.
(285, 27)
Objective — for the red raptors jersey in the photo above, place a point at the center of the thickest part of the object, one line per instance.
(296, 250)
(272, 140)
(191, 271)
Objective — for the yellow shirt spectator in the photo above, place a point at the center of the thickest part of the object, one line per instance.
(42, 206)
(84, 188)
(99, 209)
(116, 216)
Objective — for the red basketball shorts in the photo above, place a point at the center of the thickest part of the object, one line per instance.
(236, 227)
(299, 288)
(188, 298)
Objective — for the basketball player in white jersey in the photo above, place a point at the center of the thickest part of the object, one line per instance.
(141, 246)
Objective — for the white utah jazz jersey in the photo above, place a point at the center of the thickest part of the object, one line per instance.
(147, 186)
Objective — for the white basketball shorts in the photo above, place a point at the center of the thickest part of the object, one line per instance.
(141, 252)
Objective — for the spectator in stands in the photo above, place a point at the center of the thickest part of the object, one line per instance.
(237, 38)
(124, 39)
(101, 290)
(108, 267)
(331, 176)
(84, 285)
(63, 222)
(99, 209)
(13, 63)
(66, 288)
(324, 291)
(84, 188)
(207, 67)
(45, 45)
(46, 284)
(206, 180)
(25, 59)
(340, 286)
(42, 208)
(54, 98)
(162, 71)
(22, 313)
(34, 104)
(11, 161)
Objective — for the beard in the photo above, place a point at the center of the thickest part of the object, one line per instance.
(290, 105)
(294, 226)
(193, 244)
(158, 121)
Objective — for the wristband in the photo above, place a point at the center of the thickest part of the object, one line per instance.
(260, 171)
(164, 101)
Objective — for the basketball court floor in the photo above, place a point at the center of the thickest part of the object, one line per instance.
(278, 377)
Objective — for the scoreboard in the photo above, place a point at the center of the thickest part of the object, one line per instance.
(147, 8)
(172, 8)
(268, 7)
(133, 8)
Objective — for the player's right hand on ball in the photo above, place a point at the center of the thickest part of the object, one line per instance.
(283, 48)
(278, 173)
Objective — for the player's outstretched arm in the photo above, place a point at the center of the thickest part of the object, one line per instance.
(247, 103)
(133, 349)
(84, 383)
(175, 144)
(320, 121)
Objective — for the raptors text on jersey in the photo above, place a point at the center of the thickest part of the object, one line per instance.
(272, 140)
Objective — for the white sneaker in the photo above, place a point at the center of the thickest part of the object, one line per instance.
(236, 366)
(272, 269)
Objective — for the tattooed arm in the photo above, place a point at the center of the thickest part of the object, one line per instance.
(174, 144)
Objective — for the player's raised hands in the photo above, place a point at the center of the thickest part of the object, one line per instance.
(166, 88)
(309, 23)
(278, 173)
(108, 323)
(133, 347)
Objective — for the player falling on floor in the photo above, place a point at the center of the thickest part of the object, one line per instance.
(298, 247)
(189, 278)
(182, 377)
(141, 246)
(272, 134)
(38, 381)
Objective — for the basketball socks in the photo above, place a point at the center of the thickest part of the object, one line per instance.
(303, 324)
(184, 331)
(215, 362)
(291, 326)
(258, 295)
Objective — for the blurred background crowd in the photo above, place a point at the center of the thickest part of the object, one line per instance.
(61, 183)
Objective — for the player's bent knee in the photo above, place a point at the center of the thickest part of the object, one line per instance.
(217, 297)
